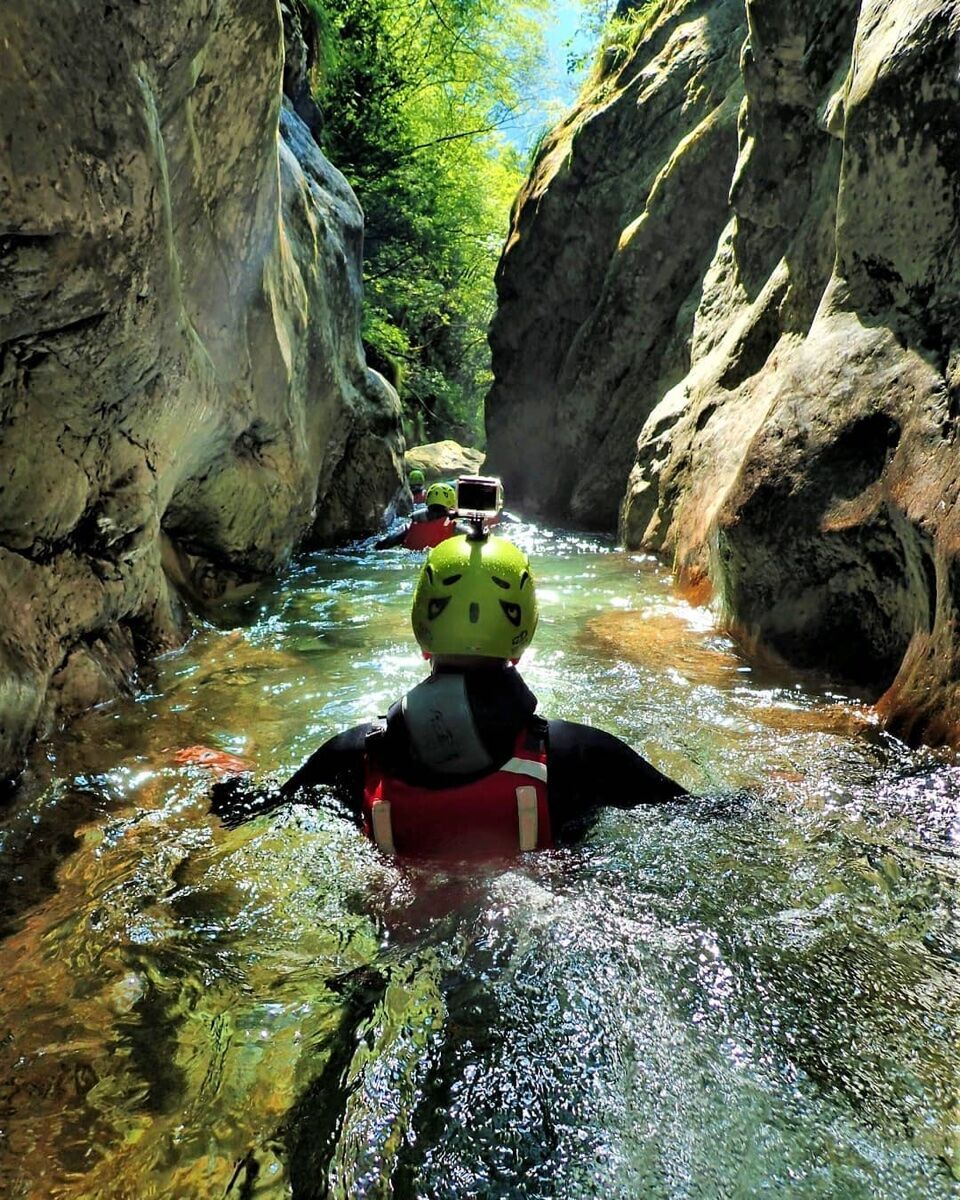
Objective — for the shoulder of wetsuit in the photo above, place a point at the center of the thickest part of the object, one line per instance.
(334, 760)
(389, 540)
(586, 754)
(538, 731)
(336, 769)
(374, 740)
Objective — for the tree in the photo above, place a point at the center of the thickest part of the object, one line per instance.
(417, 96)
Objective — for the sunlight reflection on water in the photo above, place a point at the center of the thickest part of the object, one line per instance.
(755, 994)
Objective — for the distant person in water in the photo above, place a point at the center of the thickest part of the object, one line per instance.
(417, 481)
(428, 526)
(461, 766)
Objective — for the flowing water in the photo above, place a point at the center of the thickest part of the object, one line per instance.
(754, 995)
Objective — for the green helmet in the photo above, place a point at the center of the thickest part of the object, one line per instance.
(442, 493)
(416, 478)
(475, 596)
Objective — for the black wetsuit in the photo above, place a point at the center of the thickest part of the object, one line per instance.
(586, 767)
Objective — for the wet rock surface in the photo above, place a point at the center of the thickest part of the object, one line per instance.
(598, 282)
(183, 395)
(798, 460)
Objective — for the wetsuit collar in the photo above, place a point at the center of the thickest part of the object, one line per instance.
(440, 725)
(460, 722)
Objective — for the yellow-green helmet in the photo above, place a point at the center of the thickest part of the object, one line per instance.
(416, 478)
(475, 596)
(442, 493)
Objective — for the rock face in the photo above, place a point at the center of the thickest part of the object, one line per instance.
(444, 460)
(183, 395)
(802, 466)
(599, 280)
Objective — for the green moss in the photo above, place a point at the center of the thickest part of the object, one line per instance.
(621, 37)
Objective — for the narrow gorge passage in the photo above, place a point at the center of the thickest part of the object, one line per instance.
(681, 271)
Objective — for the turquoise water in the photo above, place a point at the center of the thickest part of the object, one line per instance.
(755, 995)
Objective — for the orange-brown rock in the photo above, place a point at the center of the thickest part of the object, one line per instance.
(664, 642)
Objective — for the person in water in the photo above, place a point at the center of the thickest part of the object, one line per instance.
(417, 481)
(428, 526)
(462, 765)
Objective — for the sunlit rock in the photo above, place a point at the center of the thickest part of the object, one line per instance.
(180, 360)
(795, 388)
(600, 277)
(805, 466)
(444, 460)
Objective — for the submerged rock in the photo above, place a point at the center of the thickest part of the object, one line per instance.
(665, 643)
(181, 376)
(796, 393)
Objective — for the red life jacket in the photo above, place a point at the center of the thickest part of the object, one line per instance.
(502, 814)
(423, 534)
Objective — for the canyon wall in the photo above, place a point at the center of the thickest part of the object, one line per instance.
(770, 336)
(610, 239)
(183, 392)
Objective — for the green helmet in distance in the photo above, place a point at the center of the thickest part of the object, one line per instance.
(416, 478)
(475, 596)
(444, 494)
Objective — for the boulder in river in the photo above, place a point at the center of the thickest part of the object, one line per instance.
(444, 460)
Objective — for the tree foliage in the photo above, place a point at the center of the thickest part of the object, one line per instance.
(416, 95)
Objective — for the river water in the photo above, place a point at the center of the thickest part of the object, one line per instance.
(754, 995)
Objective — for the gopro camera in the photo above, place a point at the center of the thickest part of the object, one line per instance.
(479, 496)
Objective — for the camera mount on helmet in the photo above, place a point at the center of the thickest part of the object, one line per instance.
(479, 497)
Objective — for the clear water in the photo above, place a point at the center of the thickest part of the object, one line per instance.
(754, 996)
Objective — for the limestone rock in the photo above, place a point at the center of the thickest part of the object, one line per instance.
(797, 379)
(180, 360)
(805, 471)
(444, 460)
(598, 283)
